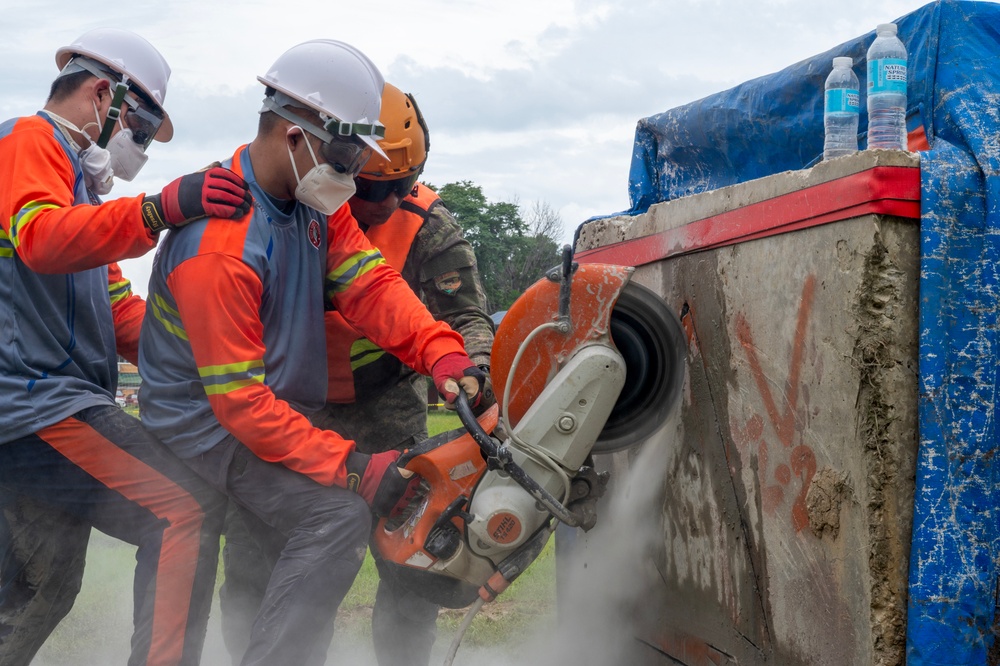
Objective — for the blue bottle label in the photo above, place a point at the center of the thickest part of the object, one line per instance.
(842, 100)
(887, 75)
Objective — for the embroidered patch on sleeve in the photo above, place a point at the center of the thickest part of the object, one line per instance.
(448, 283)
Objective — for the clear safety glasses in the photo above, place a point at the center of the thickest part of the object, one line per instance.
(345, 154)
(143, 122)
(143, 117)
(376, 191)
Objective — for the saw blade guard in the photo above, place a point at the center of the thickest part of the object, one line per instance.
(605, 307)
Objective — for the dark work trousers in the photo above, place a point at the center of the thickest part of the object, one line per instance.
(404, 625)
(323, 534)
(101, 468)
(42, 555)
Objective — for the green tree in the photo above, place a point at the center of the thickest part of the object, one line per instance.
(512, 252)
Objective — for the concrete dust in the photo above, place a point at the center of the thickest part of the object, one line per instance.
(604, 594)
(601, 588)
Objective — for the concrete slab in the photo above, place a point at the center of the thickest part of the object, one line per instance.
(781, 531)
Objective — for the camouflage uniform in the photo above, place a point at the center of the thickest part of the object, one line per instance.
(389, 411)
(390, 408)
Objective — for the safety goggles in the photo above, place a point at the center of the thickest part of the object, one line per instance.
(346, 155)
(143, 122)
(143, 117)
(376, 191)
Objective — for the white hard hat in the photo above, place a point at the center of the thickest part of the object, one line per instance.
(337, 81)
(130, 55)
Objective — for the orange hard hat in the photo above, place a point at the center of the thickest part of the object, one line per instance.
(406, 139)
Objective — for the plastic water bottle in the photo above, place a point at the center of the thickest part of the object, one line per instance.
(840, 110)
(887, 90)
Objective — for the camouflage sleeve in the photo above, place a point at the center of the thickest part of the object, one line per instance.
(445, 268)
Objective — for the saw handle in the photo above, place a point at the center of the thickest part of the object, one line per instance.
(498, 457)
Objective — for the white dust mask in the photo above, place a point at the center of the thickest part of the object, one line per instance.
(127, 156)
(98, 174)
(322, 188)
(95, 161)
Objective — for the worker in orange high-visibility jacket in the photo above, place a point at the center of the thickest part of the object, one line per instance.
(372, 397)
(233, 353)
(66, 448)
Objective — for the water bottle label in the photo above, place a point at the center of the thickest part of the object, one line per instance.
(840, 100)
(887, 75)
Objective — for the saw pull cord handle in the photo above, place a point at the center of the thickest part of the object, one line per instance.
(499, 457)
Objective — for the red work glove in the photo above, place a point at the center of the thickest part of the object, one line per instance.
(215, 192)
(454, 370)
(380, 482)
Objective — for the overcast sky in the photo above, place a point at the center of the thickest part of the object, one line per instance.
(534, 100)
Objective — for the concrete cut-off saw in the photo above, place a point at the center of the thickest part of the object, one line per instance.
(584, 362)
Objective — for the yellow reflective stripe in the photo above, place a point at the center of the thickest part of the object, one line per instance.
(160, 311)
(218, 379)
(343, 276)
(229, 368)
(119, 291)
(24, 217)
(363, 352)
(217, 389)
(6, 247)
(161, 302)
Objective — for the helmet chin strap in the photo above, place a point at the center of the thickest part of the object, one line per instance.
(114, 111)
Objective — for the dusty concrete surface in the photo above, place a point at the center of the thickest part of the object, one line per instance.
(782, 530)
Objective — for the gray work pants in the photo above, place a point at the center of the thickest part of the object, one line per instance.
(325, 531)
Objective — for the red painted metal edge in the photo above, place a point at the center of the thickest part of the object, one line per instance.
(880, 190)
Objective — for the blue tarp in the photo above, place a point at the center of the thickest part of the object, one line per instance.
(774, 124)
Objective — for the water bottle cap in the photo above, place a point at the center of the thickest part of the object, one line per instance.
(843, 61)
(886, 27)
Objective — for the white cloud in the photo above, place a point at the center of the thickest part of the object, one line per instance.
(531, 100)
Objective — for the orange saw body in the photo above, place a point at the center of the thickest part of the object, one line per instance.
(583, 362)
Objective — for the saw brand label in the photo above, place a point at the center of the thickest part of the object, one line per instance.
(887, 75)
(504, 528)
(461, 471)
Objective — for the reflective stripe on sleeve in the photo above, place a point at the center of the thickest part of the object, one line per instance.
(342, 277)
(363, 352)
(6, 247)
(119, 290)
(23, 218)
(168, 316)
(219, 379)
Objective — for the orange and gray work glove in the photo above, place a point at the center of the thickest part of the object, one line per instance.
(454, 370)
(215, 192)
(386, 487)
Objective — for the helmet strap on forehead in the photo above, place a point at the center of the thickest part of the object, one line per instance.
(120, 90)
(331, 126)
(340, 128)
(277, 107)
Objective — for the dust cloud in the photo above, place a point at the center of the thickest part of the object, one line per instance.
(602, 579)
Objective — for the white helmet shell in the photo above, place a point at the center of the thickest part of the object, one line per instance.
(332, 78)
(126, 53)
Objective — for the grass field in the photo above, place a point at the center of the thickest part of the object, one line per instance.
(97, 630)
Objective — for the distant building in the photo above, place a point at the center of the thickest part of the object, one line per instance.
(128, 383)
